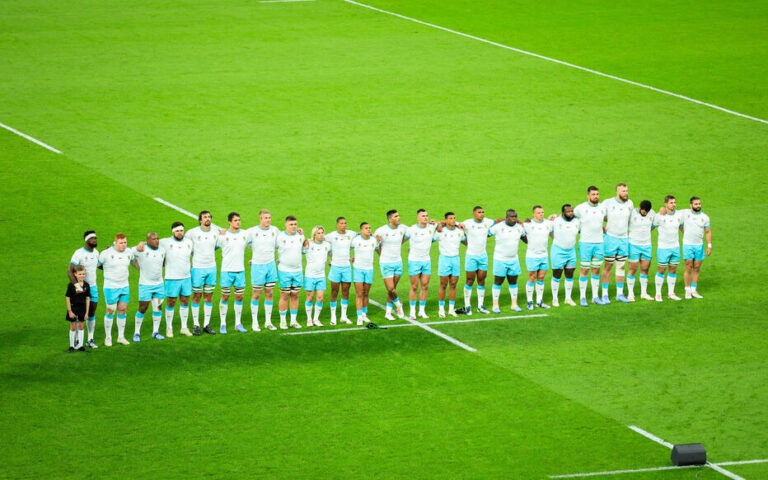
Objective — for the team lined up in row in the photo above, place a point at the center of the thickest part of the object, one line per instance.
(609, 233)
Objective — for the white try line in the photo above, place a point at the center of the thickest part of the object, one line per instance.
(175, 207)
(398, 325)
(714, 466)
(560, 62)
(658, 440)
(30, 138)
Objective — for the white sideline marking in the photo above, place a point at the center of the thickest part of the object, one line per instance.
(651, 436)
(433, 331)
(284, 1)
(620, 472)
(744, 462)
(397, 325)
(31, 139)
(658, 440)
(561, 62)
(177, 208)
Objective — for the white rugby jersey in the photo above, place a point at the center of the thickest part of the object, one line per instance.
(263, 244)
(391, 242)
(151, 265)
(538, 238)
(232, 247)
(340, 244)
(669, 229)
(477, 235)
(177, 257)
(115, 265)
(507, 240)
(618, 217)
(640, 228)
(90, 260)
(289, 251)
(364, 248)
(420, 239)
(203, 246)
(591, 217)
(694, 226)
(565, 232)
(317, 256)
(448, 241)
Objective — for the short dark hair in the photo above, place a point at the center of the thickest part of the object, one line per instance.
(88, 232)
(668, 198)
(592, 188)
(477, 207)
(200, 215)
(535, 207)
(338, 219)
(390, 213)
(363, 224)
(448, 214)
(694, 198)
(420, 210)
(290, 218)
(232, 216)
(645, 205)
(176, 224)
(511, 210)
(566, 205)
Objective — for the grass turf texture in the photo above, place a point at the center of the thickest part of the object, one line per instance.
(325, 108)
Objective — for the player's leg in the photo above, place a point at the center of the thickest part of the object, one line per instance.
(482, 273)
(293, 298)
(309, 297)
(319, 296)
(121, 317)
(424, 280)
(696, 269)
(345, 285)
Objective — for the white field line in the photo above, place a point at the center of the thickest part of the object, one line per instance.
(432, 331)
(621, 472)
(743, 462)
(560, 62)
(437, 322)
(175, 207)
(651, 436)
(284, 1)
(658, 440)
(30, 138)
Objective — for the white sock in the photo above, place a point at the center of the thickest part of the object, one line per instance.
(157, 318)
(344, 309)
(595, 285)
(195, 314)
(108, 320)
(308, 308)
(659, 282)
(529, 289)
(631, 285)
(568, 288)
(168, 318)
(254, 314)
(555, 286)
(138, 320)
(184, 315)
(539, 292)
(207, 311)
(583, 287)
(223, 309)
(480, 295)
(513, 294)
(644, 284)
(121, 326)
(238, 312)
(72, 337)
(80, 334)
(91, 324)
(467, 296)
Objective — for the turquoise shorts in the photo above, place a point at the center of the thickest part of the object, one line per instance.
(114, 295)
(590, 251)
(562, 258)
(148, 292)
(203, 276)
(473, 263)
(290, 279)
(615, 247)
(340, 274)
(448, 266)
(389, 270)
(94, 294)
(536, 264)
(667, 256)
(263, 274)
(233, 279)
(363, 276)
(314, 283)
(505, 268)
(419, 267)
(693, 252)
(640, 252)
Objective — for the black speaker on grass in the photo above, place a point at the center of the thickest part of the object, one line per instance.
(689, 454)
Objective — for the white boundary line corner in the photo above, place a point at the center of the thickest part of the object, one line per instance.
(560, 62)
(30, 138)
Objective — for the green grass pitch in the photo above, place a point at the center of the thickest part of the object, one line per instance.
(325, 108)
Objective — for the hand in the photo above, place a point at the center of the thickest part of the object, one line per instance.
(709, 251)
(72, 315)
(300, 230)
(140, 246)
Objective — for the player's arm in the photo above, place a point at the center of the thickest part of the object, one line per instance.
(708, 236)
(71, 273)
